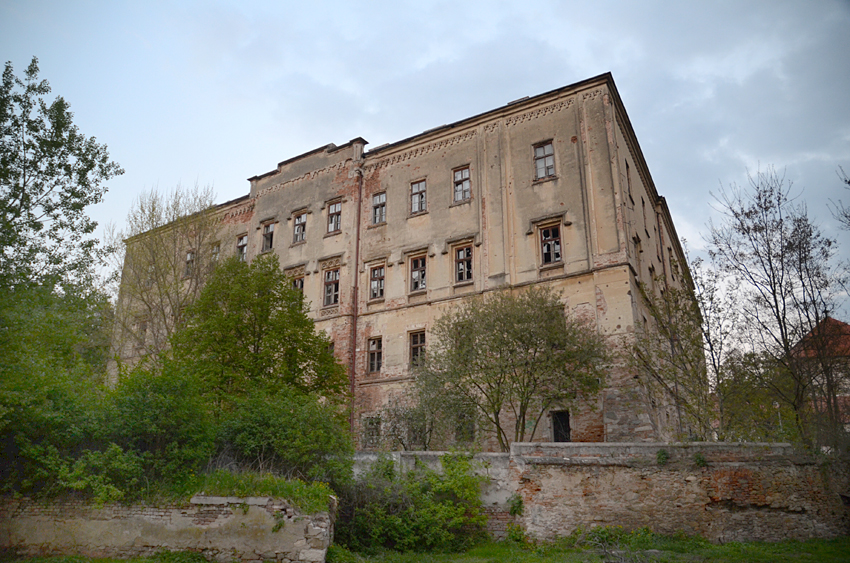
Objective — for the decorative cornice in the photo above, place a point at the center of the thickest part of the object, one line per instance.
(308, 176)
(421, 151)
(241, 210)
(539, 112)
(296, 272)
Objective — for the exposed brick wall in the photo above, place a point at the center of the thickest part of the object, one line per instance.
(221, 528)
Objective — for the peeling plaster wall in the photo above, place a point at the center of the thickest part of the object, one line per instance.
(221, 528)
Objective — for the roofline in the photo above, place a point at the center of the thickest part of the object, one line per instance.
(329, 148)
(606, 78)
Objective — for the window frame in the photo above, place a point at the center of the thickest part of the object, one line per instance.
(465, 184)
(215, 252)
(466, 261)
(189, 268)
(330, 279)
(268, 236)
(418, 197)
(548, 160)
(544, 240)
(380, 281)
(416, 346)
(299, 227)
(371, 431)
(418, 273)
(334, 217)
(375, 355)
(298, 283)
(242, 247)
(379, 208)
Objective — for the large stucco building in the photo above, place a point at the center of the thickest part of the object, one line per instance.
(551, 189)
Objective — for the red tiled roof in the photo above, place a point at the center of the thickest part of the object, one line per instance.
(836, 340)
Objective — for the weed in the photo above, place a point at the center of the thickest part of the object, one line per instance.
(662, 457)
(700, 460)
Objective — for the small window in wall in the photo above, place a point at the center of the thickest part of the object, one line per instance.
(299, 229)
(417, 347)
(268, 236)
(629, 182)
(375, 355)
(561, 426)
(418, 203)
(215, 252)
(242, 247)
(463, 263)
(298, 283)
(462, 185)
(379, 208)
(372, 432)
(331, 295)
(376, 282)
(417, 274)
(334, 217)
(550, 244)
(544, 161)
(190, 264)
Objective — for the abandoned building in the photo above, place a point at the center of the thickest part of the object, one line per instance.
(551, 189)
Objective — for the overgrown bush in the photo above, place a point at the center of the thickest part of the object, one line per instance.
(417, 510)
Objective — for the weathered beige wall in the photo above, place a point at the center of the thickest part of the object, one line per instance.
(746, 492)
(222, 528)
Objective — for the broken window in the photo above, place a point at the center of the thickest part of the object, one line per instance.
(463, 264)
(331, 287)
(299, 230)
(242, 247)
(215, 252)
(298, 283)
(376, 282)
(417, 273)
(268, 236)
(463, 187)
(190, 264)
(375, 355)
(372, 432)
(550, 244)
(335, 217)
(379, 208)
(544, 161)
(417, 197)
(417, 346)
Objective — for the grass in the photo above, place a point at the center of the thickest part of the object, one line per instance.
(309, 497)
(636, 547)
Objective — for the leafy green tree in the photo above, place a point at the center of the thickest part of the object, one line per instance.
(513, 357)
(249, 331)
(49, 174)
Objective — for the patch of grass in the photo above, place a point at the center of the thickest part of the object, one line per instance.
(308, 497)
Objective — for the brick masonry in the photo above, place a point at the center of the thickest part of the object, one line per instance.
(221, 528)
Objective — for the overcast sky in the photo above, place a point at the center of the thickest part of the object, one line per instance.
(217, 92)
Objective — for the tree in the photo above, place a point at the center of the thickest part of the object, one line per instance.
(249, 331)
(49, 174)
(513, 356)
(839, 210)
(787, 286)
(165, 255)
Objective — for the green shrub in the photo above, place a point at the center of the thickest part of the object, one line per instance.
(699, 460)
(308, 497)
(418, 510)
(290, 434)
(662, 457)
(105, 476)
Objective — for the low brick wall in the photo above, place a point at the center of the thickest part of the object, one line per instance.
(743, 492)
(221, 528)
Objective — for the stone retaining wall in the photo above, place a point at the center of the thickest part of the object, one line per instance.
(221, 528)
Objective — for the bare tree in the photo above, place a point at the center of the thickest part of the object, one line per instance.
(165, 255)
(787, 287)
(839, 210)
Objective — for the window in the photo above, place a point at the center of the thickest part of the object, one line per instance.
(550, 244)
(190, 264)
(417, 197)
(335, 217)
(629, 182)
(463, 188)
(417, 347)
(544, 161)
(372, 432)
(463, 264)
(379, 208)
(417, 274)
(215, 252)
(242, 247)
(375, 355)
(376, 282)
(465, 427)
(268, 236)
(299, 230)
(331, 287)
(560, 426)
(298, 283)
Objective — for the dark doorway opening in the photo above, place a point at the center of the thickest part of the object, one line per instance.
(561, 426)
